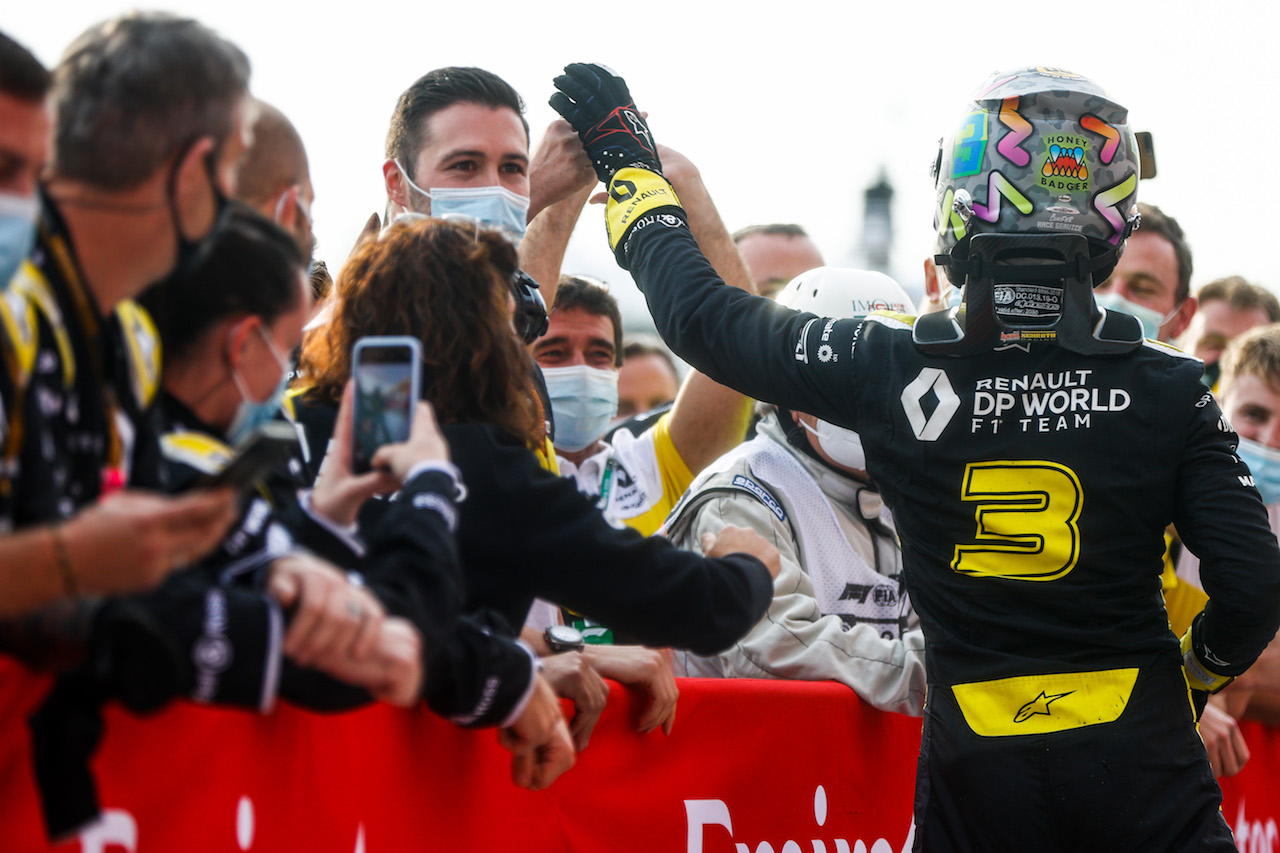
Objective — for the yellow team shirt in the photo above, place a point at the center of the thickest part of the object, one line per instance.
(635, 480)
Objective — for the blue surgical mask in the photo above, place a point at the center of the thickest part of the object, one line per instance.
(497, 207)
(1264, 465)
(18, 216)
(252, 414)
(583, 401)
(1150, 318)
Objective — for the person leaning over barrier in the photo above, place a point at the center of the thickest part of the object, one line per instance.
(1032, 448)
(522, 531)
(133, 538)
(839, 610)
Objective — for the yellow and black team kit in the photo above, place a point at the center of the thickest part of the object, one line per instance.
(93, 378)
(1031, 486)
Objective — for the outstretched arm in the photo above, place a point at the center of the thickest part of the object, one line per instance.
(708, 419)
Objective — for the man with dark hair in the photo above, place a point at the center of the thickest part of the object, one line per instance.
(775, 254)
(458, 143)
(1227, 308)
(458, 128)
(275, 178)
(1152, 279)
(24, 119)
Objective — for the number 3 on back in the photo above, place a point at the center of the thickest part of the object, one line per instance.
(1026, 512)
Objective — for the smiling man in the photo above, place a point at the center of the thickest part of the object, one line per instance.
(1152, 279)
(458, 143)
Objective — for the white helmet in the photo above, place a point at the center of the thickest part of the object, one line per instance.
(844, 293)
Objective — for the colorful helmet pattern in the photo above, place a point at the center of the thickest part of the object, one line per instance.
(844, 293)
(1042, 151)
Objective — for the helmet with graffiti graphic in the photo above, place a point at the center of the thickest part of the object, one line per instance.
(1041, 151)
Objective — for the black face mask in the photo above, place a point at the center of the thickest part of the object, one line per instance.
(191, 253)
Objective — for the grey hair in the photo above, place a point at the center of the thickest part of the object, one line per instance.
(132, 92)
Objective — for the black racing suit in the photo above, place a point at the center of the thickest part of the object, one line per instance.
(1031, 488)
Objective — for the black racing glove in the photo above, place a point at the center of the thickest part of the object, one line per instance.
(595, 101)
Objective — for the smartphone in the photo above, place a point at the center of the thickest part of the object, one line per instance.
(267, 448)
(388, 375)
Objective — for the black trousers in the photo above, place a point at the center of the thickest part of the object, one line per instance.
(1140, 783)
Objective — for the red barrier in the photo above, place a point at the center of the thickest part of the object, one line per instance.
(751, 767)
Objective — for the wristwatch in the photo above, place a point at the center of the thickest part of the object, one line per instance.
(563, 638)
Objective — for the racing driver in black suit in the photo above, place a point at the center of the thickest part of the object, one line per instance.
(1033, 448)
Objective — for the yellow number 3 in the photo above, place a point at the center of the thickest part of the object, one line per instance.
(1026, 513)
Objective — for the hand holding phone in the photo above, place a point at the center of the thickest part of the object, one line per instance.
(388, 379)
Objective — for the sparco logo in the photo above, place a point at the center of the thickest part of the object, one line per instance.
(931, 380)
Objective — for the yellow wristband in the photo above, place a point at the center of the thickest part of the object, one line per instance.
(62, 557)
(633, 193)
(1198, 676)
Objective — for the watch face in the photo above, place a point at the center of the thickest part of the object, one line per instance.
(564, 638)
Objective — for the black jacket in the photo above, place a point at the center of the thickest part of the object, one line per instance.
(524, 533)
(1031, 484)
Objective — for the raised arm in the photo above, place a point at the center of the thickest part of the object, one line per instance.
(560, 179)
(708, 419)
(747, 342)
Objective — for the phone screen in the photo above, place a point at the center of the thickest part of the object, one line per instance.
(385, 379)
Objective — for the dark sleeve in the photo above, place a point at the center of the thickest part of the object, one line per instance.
(475, 672)
(749, 343)
(214, 644)
(534, 532)
(478, 675)
(1221, 518)
(411, 561)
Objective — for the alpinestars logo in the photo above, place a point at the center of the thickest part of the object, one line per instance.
(932, 380)
(1038, 705)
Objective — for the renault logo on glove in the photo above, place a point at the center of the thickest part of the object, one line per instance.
(621, 190)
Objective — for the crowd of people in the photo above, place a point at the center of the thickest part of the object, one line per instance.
(564, 509)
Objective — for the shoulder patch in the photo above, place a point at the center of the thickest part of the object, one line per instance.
(197, 450)
(892, 320)
(19, 319)
(1167, 349)
(32, 284)
(761, 494)
(142, 343)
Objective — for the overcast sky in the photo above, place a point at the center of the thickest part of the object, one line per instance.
(789, 108)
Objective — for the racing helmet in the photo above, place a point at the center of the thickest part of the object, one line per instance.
(1040, 151)
(844, 293)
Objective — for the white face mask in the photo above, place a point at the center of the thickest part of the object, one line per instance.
(1150, 318)
(497, 207)
(844, 446)
(583, 401)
